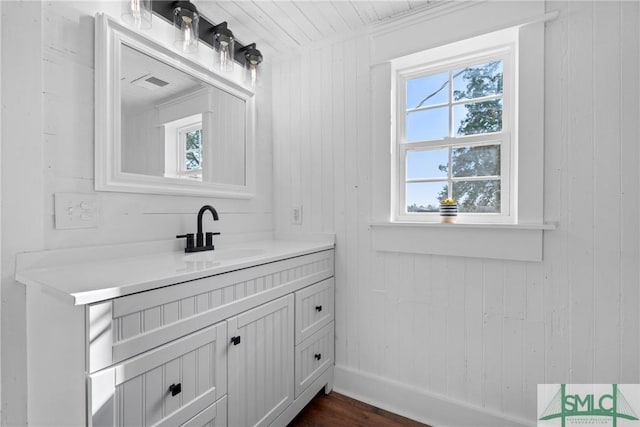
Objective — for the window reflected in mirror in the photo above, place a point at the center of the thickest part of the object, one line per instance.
(175, 126)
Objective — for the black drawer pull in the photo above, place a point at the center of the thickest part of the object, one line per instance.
(175, 389)
(235, 340)
(318, 308)
(318, 356)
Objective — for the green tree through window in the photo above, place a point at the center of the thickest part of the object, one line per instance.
(193, 150)
(481, 117)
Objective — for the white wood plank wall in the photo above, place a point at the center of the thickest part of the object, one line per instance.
(48, 139)
(484, 332)
(68, 96)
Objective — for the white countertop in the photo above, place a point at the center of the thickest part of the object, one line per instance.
(116, 271)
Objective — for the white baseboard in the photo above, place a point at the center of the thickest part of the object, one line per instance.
(431, 408)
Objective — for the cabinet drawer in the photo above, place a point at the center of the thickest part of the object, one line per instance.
(214, 416)
(166, 386)
(314, 309)
(313, 356)
(127, 326)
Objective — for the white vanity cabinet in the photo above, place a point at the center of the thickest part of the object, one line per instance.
(261, 363)
(246, 347)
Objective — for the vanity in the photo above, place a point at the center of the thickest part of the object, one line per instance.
(144, 334)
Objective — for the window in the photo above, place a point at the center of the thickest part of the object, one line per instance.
(426, 50)
(183, 148)
(190, 148)
(454, 136)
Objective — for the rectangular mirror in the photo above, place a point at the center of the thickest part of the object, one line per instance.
(166, 125)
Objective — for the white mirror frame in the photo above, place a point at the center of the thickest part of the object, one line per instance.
(110, 36)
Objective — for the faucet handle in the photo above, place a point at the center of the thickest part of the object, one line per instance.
(209, 238)
(189, 237)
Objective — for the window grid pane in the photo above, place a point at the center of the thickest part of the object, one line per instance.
(478, 81)
(429, 124)
(425, 196)
(476, 161)
(193, 150)
(477, 196)
(480, 87)
(435, 86)
(468, 173)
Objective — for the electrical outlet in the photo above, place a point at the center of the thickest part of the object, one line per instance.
(296, 215)
(76, 210)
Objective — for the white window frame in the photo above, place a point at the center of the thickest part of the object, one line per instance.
(506, 138)
(175, 149)
(403, 46)
(181, 141)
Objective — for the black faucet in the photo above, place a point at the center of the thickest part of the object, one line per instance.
(203, 241)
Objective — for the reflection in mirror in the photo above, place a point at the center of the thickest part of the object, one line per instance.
(176, 126)
(165, 124)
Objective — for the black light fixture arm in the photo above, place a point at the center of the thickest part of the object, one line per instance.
(164, 9)
(248, 53)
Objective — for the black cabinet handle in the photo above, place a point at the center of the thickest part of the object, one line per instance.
(175, 389)
(235, 340)
(318, 308)
(318, 356)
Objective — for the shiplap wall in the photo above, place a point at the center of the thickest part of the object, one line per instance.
(482, 332)
(68, 147)
(47, 144)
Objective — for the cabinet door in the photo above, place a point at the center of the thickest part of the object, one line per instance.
(260, 360)
(166, 386)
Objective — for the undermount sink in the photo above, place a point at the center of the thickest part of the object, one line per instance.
(223, 254)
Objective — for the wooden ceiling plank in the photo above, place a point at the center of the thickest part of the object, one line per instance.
(282, 25)
(245, 27)
(297, 17)
(348, 13)
(386, 9)
(272, 31)
(365, 10)
(260, 26)
(333, 23)
(281, 21)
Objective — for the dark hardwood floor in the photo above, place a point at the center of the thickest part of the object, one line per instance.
(338, 410)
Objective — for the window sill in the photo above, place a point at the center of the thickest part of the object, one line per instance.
(519, 242)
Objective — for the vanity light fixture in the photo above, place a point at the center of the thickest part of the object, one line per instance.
(185, 22)
(224, 46)
(227, 49)
(253, 58)
(137, 13)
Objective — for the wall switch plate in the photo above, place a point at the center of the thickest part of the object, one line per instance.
(76, 210)
(296, 215)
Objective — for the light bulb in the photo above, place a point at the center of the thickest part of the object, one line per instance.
(224, 55)
(253, 73)
(185, 21)
(224, 44)
(186, 29)
(137, 13)
(253, 59)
